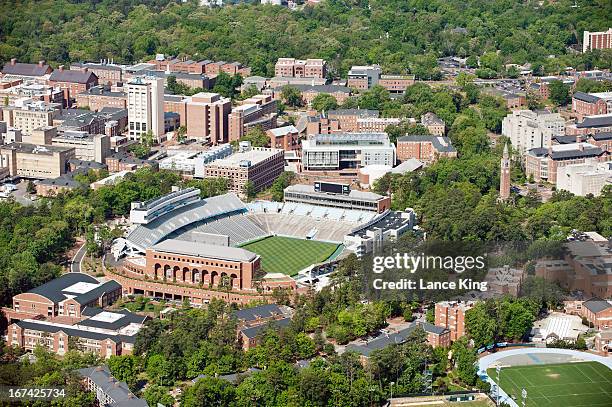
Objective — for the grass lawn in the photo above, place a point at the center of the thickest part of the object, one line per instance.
(584, 384)
(288, 255)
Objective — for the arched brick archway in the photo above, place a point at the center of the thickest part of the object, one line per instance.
(214, 278)
(234, 281)
(167, 272)
(176, 272)
(196, 276)
(157, 271)
(186, 274)
(205, 277)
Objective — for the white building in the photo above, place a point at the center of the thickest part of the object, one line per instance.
(88, 147)
(347, 151)
(145, 107)
(527, 129)
(584, 179)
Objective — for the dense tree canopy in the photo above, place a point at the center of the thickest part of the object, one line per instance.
(401, 36)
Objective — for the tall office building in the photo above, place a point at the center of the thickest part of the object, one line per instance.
(207, 117)
(145, 107)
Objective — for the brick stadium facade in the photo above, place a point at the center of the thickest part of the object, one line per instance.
(177, 270)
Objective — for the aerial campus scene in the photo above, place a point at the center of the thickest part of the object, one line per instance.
(287, 203)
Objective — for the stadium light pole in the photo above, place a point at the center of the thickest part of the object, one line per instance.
(498, 369)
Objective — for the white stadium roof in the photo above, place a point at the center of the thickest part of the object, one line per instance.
(145, 236)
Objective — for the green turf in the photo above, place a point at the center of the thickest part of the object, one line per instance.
(583, 384)
(288, 255)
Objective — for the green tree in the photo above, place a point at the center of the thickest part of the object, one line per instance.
(249, 190)
(559, 93)
(291, 96)
(257, 137)
(30, 187)
(209, 391)
(181, 134)
(324, 102)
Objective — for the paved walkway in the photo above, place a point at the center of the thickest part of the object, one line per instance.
(491, 361)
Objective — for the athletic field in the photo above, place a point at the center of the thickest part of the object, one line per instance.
(289, 255)
(581, 384)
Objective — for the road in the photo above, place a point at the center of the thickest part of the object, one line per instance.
(77, 260)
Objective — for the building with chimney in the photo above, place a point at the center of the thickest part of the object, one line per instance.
(20, 70)
(108, 72)
(72, 82)
(145, 107)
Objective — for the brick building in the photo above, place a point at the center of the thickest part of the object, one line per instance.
(208, 117)
(595, 310)
(20, 70)
(124, 162)
(258, 111)
(107, 73)
(309, 92)
(108, 390)
(396, 83)
(347, 118)
(291, 67)
(253, 321)
(261, 166)
(591, 125)
(427, 149)
(321, 124)
(98, 97)
(104, 333)
(286, 138)
(590, 104)
(584, 267)
(543, 163)
(451, 315)
(72, 82)
(434, 124)
(436, 337)
(65, 296)
(597, 40)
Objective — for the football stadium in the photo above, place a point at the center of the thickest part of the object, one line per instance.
(550, 377)
(223, 247)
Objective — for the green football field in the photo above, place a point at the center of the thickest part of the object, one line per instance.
(288, 255)
(583, 384)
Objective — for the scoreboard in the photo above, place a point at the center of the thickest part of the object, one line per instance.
(332, 187)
